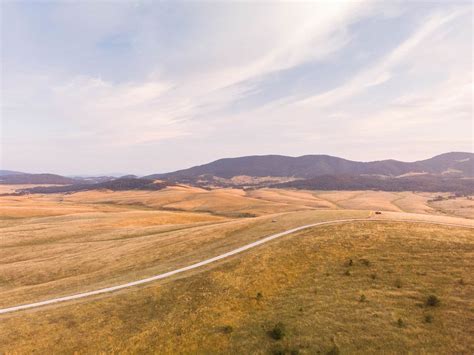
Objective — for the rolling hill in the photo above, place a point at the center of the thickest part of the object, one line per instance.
(309, 166)
(9, 172)
(24, 178)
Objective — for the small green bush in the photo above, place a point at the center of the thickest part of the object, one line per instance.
(347, 273)
(428, 318)
(398, 283)
(373, 276)
(400, 323)
(432, 301)
(278, 331)
(365, 262)
(362, 298)
(259, 296)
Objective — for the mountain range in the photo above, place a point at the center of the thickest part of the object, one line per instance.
(309, 166)
(446, 172)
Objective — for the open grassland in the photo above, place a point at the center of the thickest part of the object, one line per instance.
(232, 203)
(61, 244)
(406, 201)
(360, 287)
(461, 206)
(44, 257)
(55, 245)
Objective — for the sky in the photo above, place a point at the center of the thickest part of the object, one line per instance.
(147, 87)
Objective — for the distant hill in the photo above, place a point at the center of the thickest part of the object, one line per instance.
(8, 177)
(23, 178)
(426, 183)
(310, 166)
(120, 184)
(446, 172)
(10, 172)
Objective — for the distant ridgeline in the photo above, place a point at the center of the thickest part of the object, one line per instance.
(450, 172)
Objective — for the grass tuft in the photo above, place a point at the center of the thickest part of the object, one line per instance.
(278, 331)
(432, 301)
(428, 318)
(398, 283)
(227, 329)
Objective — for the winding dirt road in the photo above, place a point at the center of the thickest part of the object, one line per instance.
(209, 261)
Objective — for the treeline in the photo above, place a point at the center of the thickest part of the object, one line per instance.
(426, 183)
(114, 185)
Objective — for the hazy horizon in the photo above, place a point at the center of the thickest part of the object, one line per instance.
(141, 87)
(123, 173)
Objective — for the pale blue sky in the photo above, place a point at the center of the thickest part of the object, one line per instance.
(144, 87)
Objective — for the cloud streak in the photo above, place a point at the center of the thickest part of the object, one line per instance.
(204, 81)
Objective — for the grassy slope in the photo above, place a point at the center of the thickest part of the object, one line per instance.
(53, 256)
(303, 282)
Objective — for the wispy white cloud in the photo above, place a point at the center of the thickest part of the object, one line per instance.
(117, 78)
(383, 71)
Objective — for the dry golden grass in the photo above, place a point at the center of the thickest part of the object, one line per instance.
(364, 200)
(413, 202)
(227, 202)
(293, 197)
(54, 245)
(430, 218)
(59, 255)
(303, 283)
(461, 206)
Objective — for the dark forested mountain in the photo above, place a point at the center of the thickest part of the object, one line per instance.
(446, 172)
(309, 166)
(427, 183)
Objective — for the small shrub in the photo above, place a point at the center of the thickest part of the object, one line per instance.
(259, 296)
(350, 262)
(227, 329)
(400, 323)
(432, 301)
(278, 332)
(398, 283)
(347, 273)
(461, 282)
(362, 298)
(373, 276)
(428, 318)
(334, 350)
(365, 262)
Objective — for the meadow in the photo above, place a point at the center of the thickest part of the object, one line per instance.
(361, 287)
